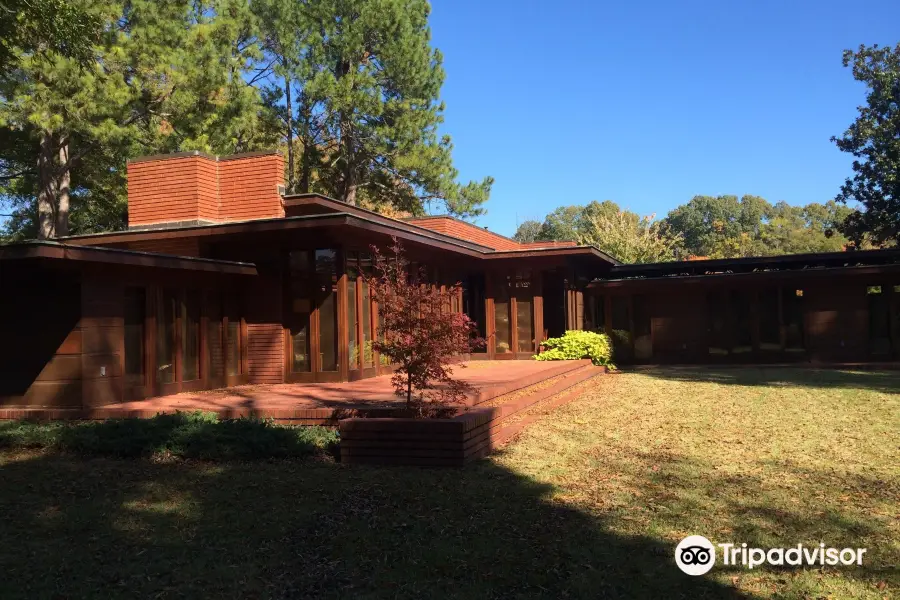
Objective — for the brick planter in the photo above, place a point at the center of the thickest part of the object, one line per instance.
(441, 442)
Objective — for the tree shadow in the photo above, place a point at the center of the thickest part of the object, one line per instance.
(882, 381)
(194, 435)
(292, 529)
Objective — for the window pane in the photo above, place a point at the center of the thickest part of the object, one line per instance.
(793, 319)
(351, 320)
(524, 325)
(300, 345)
(214, 341)
(326, 278)
(501, 326)
(300, 310)
(233, 347)
(190, 336)
(135, 311)
(717, 324)
(643, 340)
(742, 341)
(879, 321)
(769, 320)
(165, 336)
(368, 354)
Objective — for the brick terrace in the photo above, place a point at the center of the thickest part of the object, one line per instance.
(319, 403)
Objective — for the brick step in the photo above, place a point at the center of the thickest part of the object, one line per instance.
(564, 392)
(488, 393)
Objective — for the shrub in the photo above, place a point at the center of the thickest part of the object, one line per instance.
(574, 345)
(185, 435)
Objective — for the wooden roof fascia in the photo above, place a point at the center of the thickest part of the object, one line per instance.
(95, 254)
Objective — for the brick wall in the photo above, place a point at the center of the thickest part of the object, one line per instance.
(195, 187)
(247, 187)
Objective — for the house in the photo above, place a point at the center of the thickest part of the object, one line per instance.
(221, 279)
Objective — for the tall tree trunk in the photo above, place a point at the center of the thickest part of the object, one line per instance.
(350, 183)
(63, 187)
(46, 196)
(290, 133)
(308, 143)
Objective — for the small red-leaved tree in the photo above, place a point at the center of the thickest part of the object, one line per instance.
(418, 332)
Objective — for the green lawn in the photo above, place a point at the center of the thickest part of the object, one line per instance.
(588, 502)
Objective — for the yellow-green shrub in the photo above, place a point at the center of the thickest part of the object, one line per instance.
(574, 345)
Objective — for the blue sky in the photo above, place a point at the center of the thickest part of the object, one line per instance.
(651, 103)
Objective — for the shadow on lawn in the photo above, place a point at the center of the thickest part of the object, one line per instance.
(181, 434)
(75, 528)
(882, 381)
(800, 505)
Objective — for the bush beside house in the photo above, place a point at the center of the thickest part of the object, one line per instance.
(575, 345)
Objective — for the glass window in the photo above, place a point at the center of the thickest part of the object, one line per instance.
(879, 320)
(595, 317)
(190, 336)
(135, 312)
(351, 321)
(214, 343)
(300, 310)
(502, 325)
(524, 325)
(366, 266)
(769, 320)
(368, 354)
(717, 324)
(326, 281)
(741, 320)
(643, 341)
(166, 309)
(233, 347)
(792, 308)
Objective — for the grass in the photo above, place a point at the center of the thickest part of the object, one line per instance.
(588, 502)
(181, 435)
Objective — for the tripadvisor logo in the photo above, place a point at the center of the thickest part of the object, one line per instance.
(696, 555)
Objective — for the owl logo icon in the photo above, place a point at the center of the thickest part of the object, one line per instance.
(695, 555)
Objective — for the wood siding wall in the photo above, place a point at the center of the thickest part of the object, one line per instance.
(266, 347)
(835, 319)
(176, 246)
(40, 351)
(103, 337)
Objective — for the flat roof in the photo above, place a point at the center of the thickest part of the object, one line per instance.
(41, 249)
(752, 264)
(339, 214)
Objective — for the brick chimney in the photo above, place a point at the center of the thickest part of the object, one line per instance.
(194, 188)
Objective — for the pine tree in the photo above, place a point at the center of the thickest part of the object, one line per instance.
(376, 80)
(164, 76)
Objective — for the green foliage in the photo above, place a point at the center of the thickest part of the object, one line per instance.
(629, 240)
(528, 231)
(728, 227)
(184, 435)
(874, 140)
(575, 345)
(89, 84)
(707, 226)
(62, 25)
